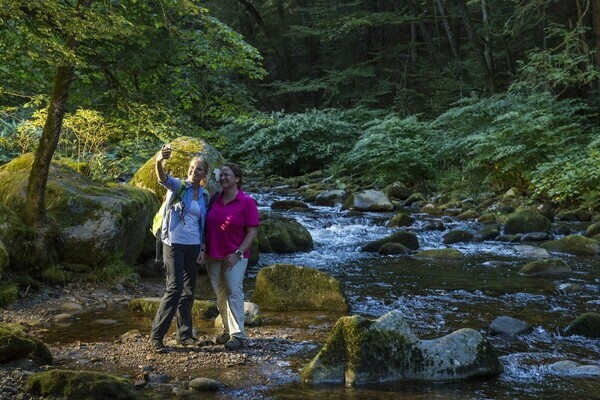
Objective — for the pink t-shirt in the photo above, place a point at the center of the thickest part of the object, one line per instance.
(226, 224)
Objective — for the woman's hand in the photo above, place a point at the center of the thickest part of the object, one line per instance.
(201, 260)
(229, 261)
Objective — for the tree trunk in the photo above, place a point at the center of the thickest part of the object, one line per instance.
(596, 32)
(35, 203)
(448, 29)
(476, 44)
(424, 32)
(487, 42)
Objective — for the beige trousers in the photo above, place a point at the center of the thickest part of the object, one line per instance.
(228, 286)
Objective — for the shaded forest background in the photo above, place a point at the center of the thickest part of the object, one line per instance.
(450, 96)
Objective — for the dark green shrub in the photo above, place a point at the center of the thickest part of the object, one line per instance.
(392, 149)
(291, 144)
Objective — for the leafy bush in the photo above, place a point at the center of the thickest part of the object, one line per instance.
(502, 139)
(392, 149)
(291, 144)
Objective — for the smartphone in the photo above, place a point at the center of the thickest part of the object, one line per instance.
(166, 146)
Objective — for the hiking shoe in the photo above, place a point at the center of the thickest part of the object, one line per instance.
(158, 346)
(234, 343)
(222, 339)
(188, 342)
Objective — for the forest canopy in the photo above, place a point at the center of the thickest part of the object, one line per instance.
(438, 94)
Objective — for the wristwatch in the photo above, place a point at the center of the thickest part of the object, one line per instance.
(239, 253)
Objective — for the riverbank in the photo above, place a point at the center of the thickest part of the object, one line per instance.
(264, 360)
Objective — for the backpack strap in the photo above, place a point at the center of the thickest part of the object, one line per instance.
(212, 200)
(178, 194)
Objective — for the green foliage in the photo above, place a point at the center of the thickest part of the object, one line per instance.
(291, 144)
(569, 64)
(8, 294)
(392, 149)
(112, 273)
(502, 139)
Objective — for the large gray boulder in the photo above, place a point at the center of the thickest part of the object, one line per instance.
(278, 234)
(284, 287)
(525, 221)
(96, 222)
(330, 197)
(368, 200)
(359, 350)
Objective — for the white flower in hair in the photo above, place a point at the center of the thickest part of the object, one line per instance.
(217, 173)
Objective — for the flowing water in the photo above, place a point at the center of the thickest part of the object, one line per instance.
(437, 298)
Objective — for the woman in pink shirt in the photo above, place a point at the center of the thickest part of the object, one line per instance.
(231, 226)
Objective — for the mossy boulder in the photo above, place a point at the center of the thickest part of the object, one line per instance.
(430, 209)
(593, 230)
(330, 197)
(16, 237)
(288, 205)
(15, 343)
(457, 236)
(549, 266)
(407, 239)
(525, 221)
(415, 198)
(397, 190)
(488, 218)
(393, 249)
(368, 200)
(441, 254)
(574, 244)
(149, 305)
(79, 385)
(184, 149)
(400, 219)
(252, 316)
(4, 258)
(278, 234)
(468, 214)
(587, 324)
(359, 350)
(97, 222)
(284, 287)
(8, 294)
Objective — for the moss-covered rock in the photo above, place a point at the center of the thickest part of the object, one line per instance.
(359, 350)
(489, 218)
(96, 221)
(526, 221)
(8, 294)
(397, 190)
(574, 244)
(407, 239)
(288, 205)
(15, 343)
(330, 197)
(283, 287)
(587, 324)
(593, 230)
(149, 305)
(415, 198)
(430, 209)
(278, 234)
(468, 214)
(400, 219)
(184, 149)
(457, 236)
(441, 254)
(4, 258)
(17, 239)
(549, 266)
(393, 249)
(79, 385)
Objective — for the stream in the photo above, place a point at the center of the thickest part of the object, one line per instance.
(436, 298)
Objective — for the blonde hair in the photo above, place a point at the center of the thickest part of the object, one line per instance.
(204, 163)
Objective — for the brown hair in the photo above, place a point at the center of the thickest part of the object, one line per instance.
(237, 172)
